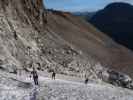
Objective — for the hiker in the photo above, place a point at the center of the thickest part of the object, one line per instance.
(35, 76)
(15, 35)
(86, 80)
(53, 75)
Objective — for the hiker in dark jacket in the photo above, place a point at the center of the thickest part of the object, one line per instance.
(53, 75)
(86, 80)
(15, 35)
(35, 76)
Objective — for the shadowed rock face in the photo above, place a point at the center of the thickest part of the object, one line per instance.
(116, 20)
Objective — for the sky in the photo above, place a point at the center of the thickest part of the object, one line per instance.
(80, 5)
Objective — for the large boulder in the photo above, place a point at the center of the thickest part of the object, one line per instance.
(117, 79)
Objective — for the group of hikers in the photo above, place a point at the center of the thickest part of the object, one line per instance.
(34, 75)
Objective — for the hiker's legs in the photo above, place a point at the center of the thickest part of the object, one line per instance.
(52, 77)
(86, 81)
(36, 81)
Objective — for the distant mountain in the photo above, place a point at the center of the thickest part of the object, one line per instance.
(85, 15)
(116, 20)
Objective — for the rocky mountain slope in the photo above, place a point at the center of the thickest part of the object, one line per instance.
(116, 20)
(31, 36)
(27, 40)
(93, 43)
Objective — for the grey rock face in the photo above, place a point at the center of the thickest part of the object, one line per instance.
(28, 11)
(26, 41)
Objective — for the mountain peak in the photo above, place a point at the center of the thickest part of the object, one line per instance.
(119, 5)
